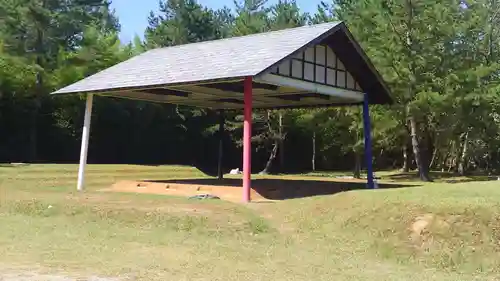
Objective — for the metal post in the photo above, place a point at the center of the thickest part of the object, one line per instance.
(247, 136)
(220, 174)
(368, 142)
(85, 142)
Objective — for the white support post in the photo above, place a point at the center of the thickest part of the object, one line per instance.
(85, 142)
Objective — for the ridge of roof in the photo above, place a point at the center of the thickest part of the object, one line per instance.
(266, 33)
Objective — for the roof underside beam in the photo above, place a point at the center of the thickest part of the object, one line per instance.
(272, 91)
(311, 87)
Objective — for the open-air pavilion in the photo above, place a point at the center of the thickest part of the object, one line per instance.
(312, 66)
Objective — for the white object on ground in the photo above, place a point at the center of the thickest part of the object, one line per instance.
(235, 171)
(345, 177)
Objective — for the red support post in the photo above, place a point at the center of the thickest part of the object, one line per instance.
(247, 136)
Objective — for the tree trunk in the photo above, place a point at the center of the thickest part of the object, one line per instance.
(451, 163)
(282, 143)
(463, 156)
(423, 170)
(33, 133)
(313, 160)
(422, 165)
(445, 160)
(427, 157)
(357, 166)
(272, 156)
(434, 157)
(457, 155)
(406, 159)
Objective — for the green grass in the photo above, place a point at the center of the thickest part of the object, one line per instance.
(357, 235)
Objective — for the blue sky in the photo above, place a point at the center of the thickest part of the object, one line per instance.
(133, 14)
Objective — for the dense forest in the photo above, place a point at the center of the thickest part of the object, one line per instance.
(440, 59)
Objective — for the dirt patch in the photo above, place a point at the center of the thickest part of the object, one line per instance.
(225, 192)
(425, 225)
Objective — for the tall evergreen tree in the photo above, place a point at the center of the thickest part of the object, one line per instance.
(39, 30)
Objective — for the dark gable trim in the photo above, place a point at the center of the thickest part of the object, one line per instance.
(355, 60)
(368, 62)
(360, 67)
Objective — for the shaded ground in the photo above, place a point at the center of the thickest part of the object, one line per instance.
(439, 177)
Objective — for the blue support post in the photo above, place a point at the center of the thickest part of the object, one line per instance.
(368, 142)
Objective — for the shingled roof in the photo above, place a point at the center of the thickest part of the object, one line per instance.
(228, 60)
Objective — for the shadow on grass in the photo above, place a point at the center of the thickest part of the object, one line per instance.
(281, 189)
(472, 179)
(441, 177)
(13, 165)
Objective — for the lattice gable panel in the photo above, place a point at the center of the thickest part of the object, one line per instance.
(318, 64)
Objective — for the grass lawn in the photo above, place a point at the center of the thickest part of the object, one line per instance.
(49, 230)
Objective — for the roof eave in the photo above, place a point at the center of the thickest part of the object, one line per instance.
(114, 90)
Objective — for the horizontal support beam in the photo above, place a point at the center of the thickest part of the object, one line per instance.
(132, 95)
(237, 87)
(311, 87)
(166, 92)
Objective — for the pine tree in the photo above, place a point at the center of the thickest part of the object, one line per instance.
(39, 29)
